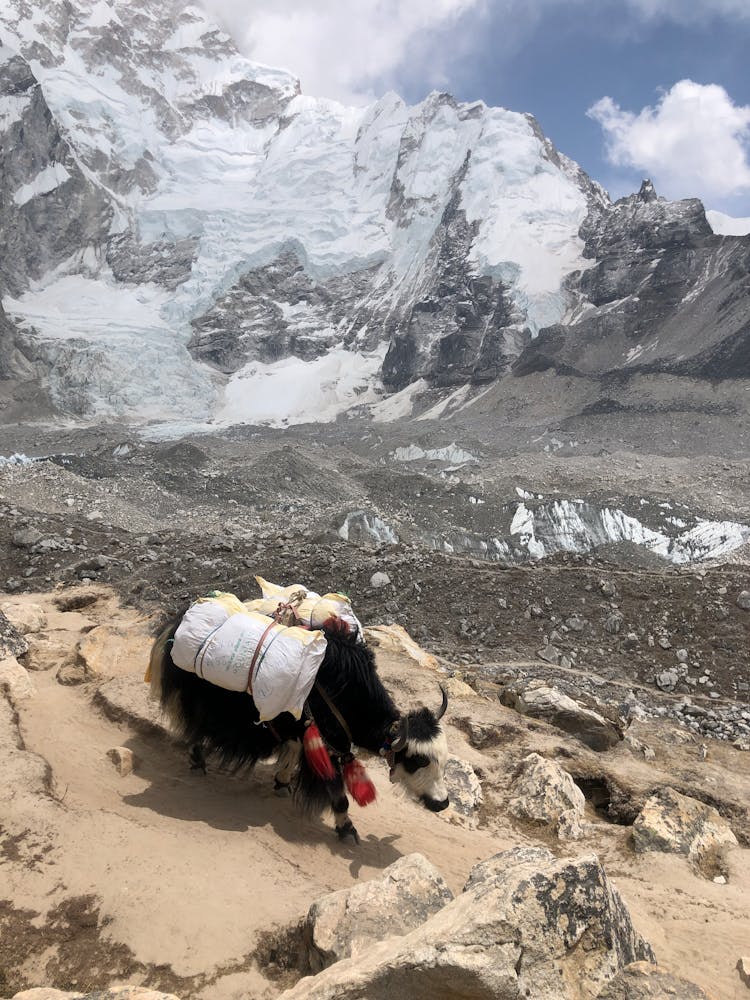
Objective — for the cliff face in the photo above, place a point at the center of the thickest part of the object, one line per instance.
(664, 296)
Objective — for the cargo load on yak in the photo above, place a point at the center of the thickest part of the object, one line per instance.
(239, 650)
(305, 606)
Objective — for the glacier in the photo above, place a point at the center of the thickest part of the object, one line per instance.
(187, 140)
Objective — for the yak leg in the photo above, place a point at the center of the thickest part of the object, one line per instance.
(340, 805)
(287, 763)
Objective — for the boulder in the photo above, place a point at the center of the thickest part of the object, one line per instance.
(114, 650)
(26, 618)
(464, 787)
(544, 793)
(677, 824)
(527, 925)
(395, 638)
(15, 679)
(25, 538)
(12, 642)
(45, 651)
(644, 981)
(540, 701)
(71, 672)
(123, 759)
(345, 922)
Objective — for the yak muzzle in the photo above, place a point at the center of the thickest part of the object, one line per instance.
(434, 805)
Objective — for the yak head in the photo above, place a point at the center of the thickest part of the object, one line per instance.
(418, 755)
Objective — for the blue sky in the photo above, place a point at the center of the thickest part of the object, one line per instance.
(570, 61)
(632, 88)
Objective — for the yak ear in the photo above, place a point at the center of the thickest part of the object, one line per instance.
(400, 733)
(441, 711)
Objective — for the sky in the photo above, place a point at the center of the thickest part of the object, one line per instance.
(627, 88)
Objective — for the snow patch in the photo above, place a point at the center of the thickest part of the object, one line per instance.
(398, 405)
(45, 181)
(292, 391)
(450, 453)
(727, 225)
(360, 525)
(565, 526)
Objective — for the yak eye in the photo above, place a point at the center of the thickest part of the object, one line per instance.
(413, 763)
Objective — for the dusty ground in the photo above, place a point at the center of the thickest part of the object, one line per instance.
(167, 877)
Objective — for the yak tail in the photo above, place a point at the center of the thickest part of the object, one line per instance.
(160, 651)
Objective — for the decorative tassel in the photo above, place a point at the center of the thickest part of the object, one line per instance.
(316, 753)
(358, 783)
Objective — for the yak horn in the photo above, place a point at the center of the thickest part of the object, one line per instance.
(402, 735)
(441, 711)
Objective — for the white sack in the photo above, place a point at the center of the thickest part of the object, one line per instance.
(312, 611)
(219, 647)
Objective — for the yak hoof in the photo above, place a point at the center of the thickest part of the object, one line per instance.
(282, 788)
(348, 830)
(197, 758)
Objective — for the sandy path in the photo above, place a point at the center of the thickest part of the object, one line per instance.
(189, 870)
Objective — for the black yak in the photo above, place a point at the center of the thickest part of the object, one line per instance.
(350, 707)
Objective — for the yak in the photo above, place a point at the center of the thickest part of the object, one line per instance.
(350, 707)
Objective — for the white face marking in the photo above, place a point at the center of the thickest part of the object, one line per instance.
(427, 781)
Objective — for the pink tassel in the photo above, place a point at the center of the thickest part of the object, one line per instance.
(358, 783)
(316, 753)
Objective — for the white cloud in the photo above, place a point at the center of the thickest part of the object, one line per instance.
(690, 11)
(695, 141)
(352, 52)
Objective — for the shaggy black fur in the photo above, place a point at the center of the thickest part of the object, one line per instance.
(225, 723)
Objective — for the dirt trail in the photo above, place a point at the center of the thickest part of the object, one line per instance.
(167, 877)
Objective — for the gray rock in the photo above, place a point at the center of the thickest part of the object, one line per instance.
(464, 787)
(15, 680)
(743, 600)
(527, 925)
(613, 624)
(123, 759)
(71, 673)
(646, 981)
(575, 623)
(379, 579)
(677, 824)
(544, 793)
(667, 680)
(549, 653)
(539, 701)
(27, 618)
(24, 538)
(12, 642)
(345, 922)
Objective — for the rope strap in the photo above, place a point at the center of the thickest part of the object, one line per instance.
(339, 717)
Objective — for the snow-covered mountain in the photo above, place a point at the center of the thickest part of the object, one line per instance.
(188, 237)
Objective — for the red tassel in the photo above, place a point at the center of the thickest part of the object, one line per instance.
(358, 783)
(316, 753)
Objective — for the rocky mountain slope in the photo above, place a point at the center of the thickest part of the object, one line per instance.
(193, 239)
